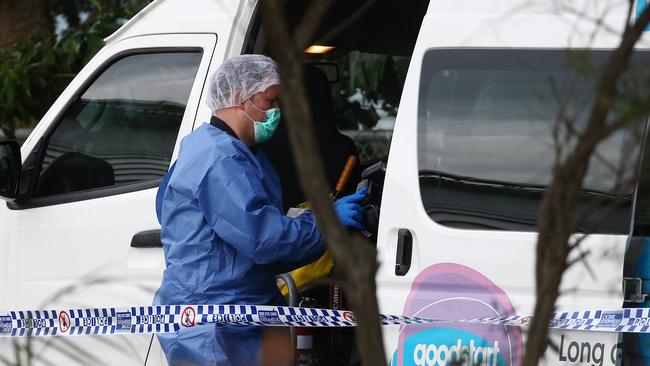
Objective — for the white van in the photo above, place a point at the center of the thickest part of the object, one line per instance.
(476, 88)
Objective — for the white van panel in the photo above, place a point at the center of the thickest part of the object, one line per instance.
(78, 254)
(499, 264)
(537, 24)
(181, 16)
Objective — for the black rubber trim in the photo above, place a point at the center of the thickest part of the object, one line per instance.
(84, 195)
(147, 239)
(252, 32)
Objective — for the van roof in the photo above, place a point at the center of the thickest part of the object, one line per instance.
(529, 23)
(209, 16)
(178, 16)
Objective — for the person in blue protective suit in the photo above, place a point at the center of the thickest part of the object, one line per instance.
(225, 236)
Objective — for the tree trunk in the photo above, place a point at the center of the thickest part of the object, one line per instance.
(356, 258)
(22, 19)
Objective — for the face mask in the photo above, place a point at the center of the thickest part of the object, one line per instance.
(263, 130)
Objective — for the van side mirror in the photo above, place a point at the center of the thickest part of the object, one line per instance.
(372, 178)
(376, 171)
(10, 166)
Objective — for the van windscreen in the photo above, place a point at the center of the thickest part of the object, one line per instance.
(491, 124)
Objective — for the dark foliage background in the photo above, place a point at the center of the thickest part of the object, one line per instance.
(43, 44)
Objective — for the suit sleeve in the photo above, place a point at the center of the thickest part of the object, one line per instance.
(235, 204)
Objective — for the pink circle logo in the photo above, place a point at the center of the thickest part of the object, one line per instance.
(453, 292)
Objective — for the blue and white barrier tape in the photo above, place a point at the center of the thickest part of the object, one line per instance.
(171, 318)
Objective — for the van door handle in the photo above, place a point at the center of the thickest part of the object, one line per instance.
(404, 249)
(633, 290)
(146, 239)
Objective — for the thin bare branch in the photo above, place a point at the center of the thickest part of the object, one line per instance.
(630, 11)
(582, 257)
(584, 15)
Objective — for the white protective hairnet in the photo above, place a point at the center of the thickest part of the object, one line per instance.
(239, 78)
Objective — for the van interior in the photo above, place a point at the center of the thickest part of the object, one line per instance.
(353, 87)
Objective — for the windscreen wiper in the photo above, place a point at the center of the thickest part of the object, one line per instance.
(533, 188)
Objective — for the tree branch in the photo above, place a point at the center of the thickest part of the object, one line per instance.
(554, 225)
(353, 255)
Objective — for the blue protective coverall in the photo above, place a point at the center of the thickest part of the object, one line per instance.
(225, 238)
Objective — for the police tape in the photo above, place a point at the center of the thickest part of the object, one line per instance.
(171, 318)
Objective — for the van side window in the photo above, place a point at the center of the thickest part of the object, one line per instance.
(366, 100)
(123, 128)
(486, 146)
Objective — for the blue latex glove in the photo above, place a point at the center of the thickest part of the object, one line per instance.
(349, 211)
